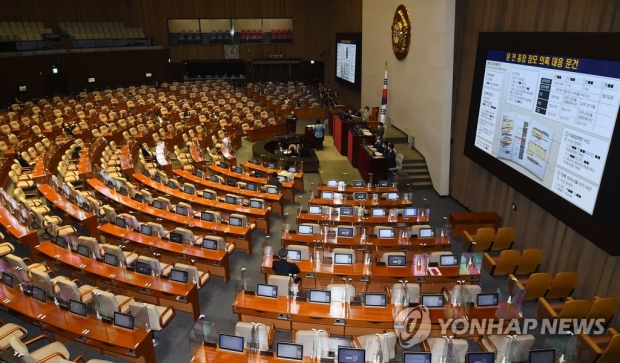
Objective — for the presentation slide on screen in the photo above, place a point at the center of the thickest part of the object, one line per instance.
(551, 118)
(345, 61)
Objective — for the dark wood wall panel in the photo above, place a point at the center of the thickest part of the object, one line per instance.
(474, 187)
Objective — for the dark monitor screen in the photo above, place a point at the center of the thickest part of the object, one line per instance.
(235, 221)
(271, 166)
(231, 182)
(198, 173)
(61, 242)
(209, 243)
(289, 351)
(77, 307)
(256, 204)
(189, 189)
(358, 183)
(343, 258)
(146, 230)
(384, 183)
(172, 184)
(120, 222)
(178, 276)
(351, 355)
(481, 357)
(230, 199)
(375, 299)
(206, 216)
(223, 165)
(181, 210)
(345, 231)
(255, 161)
(123, 191)
(320, 296)
(315, 209)
(176, 237)
(83, 250)
(542, 356)
(86, 207)
(238, 170)
(250, 186)
(8, 279)
(360, 196)
(231, 342)
(491, 299)
(426, 233)
(305, 229)
(448, 260)
(123, 320)
(259, 174)
(158, 204)
(272, 190)
(39, 294)
(110, 259)
(214, 178)
(346, 211)
(138, 197)
(157, 178)
(265, 290)
(397, 260)
(207, 195)
(432, 301)
(416, 357)
(410, 212)
(143, 268)
(386, 233)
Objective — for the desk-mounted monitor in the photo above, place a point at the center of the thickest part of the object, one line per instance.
(83, 250)
(251, 187)
(292, 169)
(138, 197)
(259, 174)
(397, 261)
(282, 179)
(123, 191)
(235, 221)
(238, 170)
(121, 222)
(345, 231)
(223, 165)
(255, 161)
(289, 351)
(209, 244)
(230, 199)
(39, 294)
(143, 268)
(481, 357)
(305, 229)
(350, 355)
(332, 183)
(320, 296)
(410, 212)
(110, 259)
(433, 301)
(271, 165)
(426, 233)
(265, 290)
(198, 173)
(256, 204)
(232, 183)
(231, 343)
(176, 237)
(86, 207)
(343, 258)
(327, 195)
(7, 279)
(346, 211)
(542, 355)
(123, 320)
(206, 216)
(272, 190)
(386, 233)
(172, 184)
(61, 241)
(294, 255)
(416, 357)
(384, 183)
(146, 230)
(392, 196)
(360, 196)
(375, 300)
(378, 212)
(189, 189)
(448, 260)
(315, 209)
(77, 307)
(359, 183)
(486, 300)
(208, 195)
(181, 210)
(178, 276)
(157, 178)
(158, 204)
(214, 178)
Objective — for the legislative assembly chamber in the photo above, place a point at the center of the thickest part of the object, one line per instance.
(323, 181)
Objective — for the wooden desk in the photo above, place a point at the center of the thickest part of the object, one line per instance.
(126, 158)
(39, 172)
(298, 182)
(342, 319)
(24, 233)
(367, 165)
(316, 241)
(215, 262)
(287, 187)
(259, 133)
(470, 222)
(258, 216)
(368, 203)
(209, 354)
(134, 346)
(156, 290)
(86, 220)
(274, 200)
(316, 274)
(240, 236)
(351, 189)
(196, 153)
(368, 221)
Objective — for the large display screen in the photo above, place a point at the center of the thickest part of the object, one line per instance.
(349, 59)
(543, 119)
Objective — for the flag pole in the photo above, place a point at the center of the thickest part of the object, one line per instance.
(383, 111)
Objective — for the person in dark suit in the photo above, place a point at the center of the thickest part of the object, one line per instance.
(145, 152)
(22, 162)
(75, 154)
(378, 145)
(186, 113)
(67, 128)
(391, 156)
(273, 180)
(282, 266)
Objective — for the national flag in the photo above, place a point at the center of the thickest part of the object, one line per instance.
(384, 98)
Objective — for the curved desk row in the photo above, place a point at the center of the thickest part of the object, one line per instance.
(86, 220)
(287, 187)
(298, 182)
(366, 221)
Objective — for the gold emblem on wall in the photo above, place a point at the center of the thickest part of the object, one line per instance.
(401, 32)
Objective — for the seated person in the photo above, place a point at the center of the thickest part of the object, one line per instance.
(273, 180)
(67, 128)
(23, 162)
(378, 145)
(145, 151)
(75, 154)
(282, 266)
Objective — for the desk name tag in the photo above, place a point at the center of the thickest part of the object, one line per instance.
(420, 279)
(207, 343)
(249, 292)
(361, 248)
(310, 275)
(364, 278)
(217, 263)
(404, 248)
(283, 316)
(380, 263)
(327, 261)
(268, 353)
(339, 322)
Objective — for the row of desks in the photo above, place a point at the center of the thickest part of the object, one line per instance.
(298, 182)
(240, 236)
(364, 221)
(156, 290)
(287, 187)
(134, 346)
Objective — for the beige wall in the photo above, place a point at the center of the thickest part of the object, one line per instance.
(420, 86)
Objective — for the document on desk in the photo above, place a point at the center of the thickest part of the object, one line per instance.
(434, 271)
